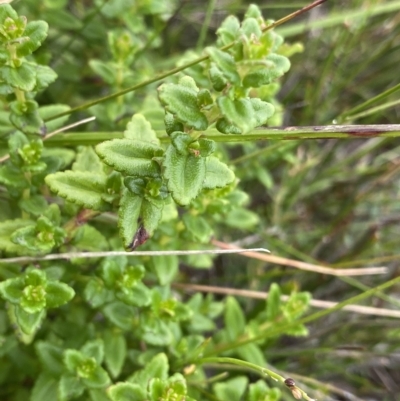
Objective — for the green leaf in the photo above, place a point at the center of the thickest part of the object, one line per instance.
(263, 72)
(166, 268)
(58, 294)
(126, 392)
(185, 174)
(35, 205)
(12, 289)
(98, 395)
(44, 77)
(115, 351)
(96, 294)
(87, 160)
(198, 227)
(226, 64)
(229, 30)
(94, 349)
(259, 391)
(251, 353)
(69, 387)
(84, 189)
(25, 117)
(132, 157)
(217, 78)
(120, 314)
(22, 77)
(139, 128)
(45, 388)
(157, 367)
(128, 216)
(28, 323)
(137, 219)
(232, 389)
(262, 111)
(50, 357)
(234, 319)
(106, 70)
(274, 302)
(241, 218)
(181, 100)
(238, 112)
(36, 31)
(218, 174)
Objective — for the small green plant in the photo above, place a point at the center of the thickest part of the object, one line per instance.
(116, 327)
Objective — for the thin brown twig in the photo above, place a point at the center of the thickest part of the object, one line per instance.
(316, 303)
(306, 266)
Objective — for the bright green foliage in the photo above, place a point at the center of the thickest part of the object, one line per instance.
(117, 328)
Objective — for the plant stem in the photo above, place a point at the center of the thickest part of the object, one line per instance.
(180, 68)
(273, 332)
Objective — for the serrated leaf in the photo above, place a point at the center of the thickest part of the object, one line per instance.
(181, 100)
(262, 111)
(11, 289)
(217, 78)
(22, 77)
(126, 392)
(226, 64)
(25, 117)
(241, 218)
(137, 216)
(266, 71)
(36, 31)
(7, 228)
(229, 30)
(44, 77)
(185, 174)
(132, 157)
(84, 189)
(45, 388)
(128, 215)
(218, 174)
(140, 128)
(234, 319)
(28, 323)
(115, 351)
(58, 294)
(238, 112)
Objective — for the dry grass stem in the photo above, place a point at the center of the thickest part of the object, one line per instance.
(306, 266)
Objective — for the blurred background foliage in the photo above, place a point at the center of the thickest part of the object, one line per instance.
(333, 202)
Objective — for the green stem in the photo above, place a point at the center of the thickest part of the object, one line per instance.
(259, 134)
(206, 24)
(178, 69)
(252, 366)
(233, 361)
(273, 332)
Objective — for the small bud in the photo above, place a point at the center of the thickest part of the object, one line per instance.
(289, 382)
